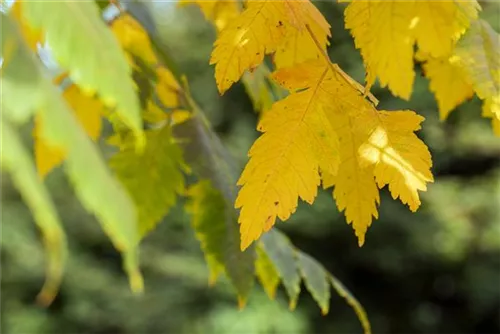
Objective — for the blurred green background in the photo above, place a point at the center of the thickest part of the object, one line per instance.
(435, 271)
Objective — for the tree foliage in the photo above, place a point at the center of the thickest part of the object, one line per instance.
(319, 126)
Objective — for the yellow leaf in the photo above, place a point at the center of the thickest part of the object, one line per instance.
(284, 161)
(355, 189)
(439, 24)
(133, 38)
(220, 12)
(300, 138)
(298, 45)
(88, 111)
(167, 88)
(448, 82)
(401, 159)
(258, 31)
(386, 31)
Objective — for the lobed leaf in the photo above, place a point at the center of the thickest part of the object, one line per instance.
(301, 138)
(259, 30)
(386, 31)
(284, 162)
(22, 80)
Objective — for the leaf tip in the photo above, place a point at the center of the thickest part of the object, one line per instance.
(136, 282)
(361, 240)
(242, 302)
(292, 304)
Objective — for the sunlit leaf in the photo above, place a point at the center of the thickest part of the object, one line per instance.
(91, 179)
(82, 44)
(386, 31)
(259, 30)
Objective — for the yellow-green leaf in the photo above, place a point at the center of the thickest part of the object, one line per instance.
(17, 161)
(153, 177)
(82, 44)
(266, 272)
(87, 110)
(207, 207)
(478, 52)
(91, 179)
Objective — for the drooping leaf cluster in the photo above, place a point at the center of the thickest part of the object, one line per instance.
(319, 126)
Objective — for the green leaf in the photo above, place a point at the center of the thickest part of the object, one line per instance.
(209, 160)
(18, 162)
(207, 207)
(98, 191)
(316, 280)
(21, 78)
(153, 177)
(266, 272)
(82, 43)
(282, 255)
(479, 53)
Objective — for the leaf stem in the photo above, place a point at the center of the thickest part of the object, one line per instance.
(337, 70)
